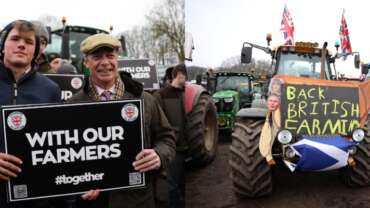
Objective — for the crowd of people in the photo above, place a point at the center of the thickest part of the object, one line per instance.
(22, 62)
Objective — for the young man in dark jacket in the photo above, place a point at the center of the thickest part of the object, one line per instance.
(104, 83)
(21, 84)
(171, 99)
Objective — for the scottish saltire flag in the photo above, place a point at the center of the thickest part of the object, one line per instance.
(345, 43)
(320, 153)
(287, 27)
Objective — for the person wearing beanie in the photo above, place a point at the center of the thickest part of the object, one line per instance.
(66, 68)
(44, 66)
(171, 99)
(20, 83)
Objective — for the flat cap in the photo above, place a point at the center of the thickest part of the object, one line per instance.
(96, 41)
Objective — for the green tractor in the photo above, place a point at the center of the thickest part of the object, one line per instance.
(66, 43)
(231, 91)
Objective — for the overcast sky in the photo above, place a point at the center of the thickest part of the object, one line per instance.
(122, 14)
(219, 27)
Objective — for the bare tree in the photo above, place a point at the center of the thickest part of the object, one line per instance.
(194, 71)
(231, 62)
(258, 67)
(141, 43)
(167, 21)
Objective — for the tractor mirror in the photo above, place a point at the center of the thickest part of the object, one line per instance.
(123, 45)
(365, 68)
(198, 79)
(211, 84)
(357, 61)
(246, 56)
(188, 46)
(48, 28)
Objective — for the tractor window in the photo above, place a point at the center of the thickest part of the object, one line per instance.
(231, 82)
(56, 44)
(75, 39)
(301, 65)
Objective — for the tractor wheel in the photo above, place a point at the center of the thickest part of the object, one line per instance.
(359, 175)
(202, 132)
(250, 174)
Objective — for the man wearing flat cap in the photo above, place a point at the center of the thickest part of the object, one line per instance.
(104, 83)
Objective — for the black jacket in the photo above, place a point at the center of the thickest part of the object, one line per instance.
(171, 99)
(32, 88)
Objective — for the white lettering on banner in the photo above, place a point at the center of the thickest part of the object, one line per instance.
(66, 155)
(140, 75)
(75, 180)
(48, 135)
(90, 135)
(136, 69)
(142, 69)
(66, 137)
(66, 95)
(139, 72)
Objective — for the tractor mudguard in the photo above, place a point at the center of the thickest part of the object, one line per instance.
(192, 94)
(252, 112)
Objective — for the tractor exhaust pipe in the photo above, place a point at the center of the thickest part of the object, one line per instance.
(323, 60)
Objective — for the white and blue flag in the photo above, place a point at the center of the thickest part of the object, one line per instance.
(320, 153)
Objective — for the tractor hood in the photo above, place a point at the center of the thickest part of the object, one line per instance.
(321, 107)
(225, 94)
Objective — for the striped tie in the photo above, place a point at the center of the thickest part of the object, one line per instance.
(106, 95)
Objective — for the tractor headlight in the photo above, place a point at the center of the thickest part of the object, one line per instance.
(216, 100)
(358, 135)
(228, 100)
(284, 136)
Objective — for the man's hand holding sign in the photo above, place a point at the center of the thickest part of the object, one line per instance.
(145, 161)
(9, 166)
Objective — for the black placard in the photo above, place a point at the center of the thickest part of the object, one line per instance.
(68, 83)
(319, 110)
(142, 70)
(84, 146)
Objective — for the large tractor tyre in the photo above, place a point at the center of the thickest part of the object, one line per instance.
(250, 174)
(202, 133)
(359, 174)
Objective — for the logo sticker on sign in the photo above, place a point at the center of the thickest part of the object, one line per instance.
(16, 120)
(76, 83)
(151, 63)
(130, 112)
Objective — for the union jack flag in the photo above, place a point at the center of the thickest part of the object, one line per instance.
(287, 27)
(345, 43)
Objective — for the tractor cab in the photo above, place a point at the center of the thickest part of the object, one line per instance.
(301, 60)
(231, 91)
(65, 42)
